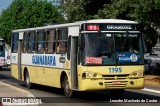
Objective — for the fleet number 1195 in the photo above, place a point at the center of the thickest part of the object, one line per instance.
(115, 70)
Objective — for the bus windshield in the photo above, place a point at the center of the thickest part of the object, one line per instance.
(2, 51)
(1, 48)
(112, 48)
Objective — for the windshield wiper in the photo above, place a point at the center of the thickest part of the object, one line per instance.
(125, 40)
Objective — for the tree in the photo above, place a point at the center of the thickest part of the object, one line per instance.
(145, 12)
(77, 10)
(27, 14)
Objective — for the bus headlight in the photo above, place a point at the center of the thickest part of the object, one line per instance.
(136, 74)
(91, 75)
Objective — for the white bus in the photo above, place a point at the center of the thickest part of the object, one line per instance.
(2, 53)
(101, 54)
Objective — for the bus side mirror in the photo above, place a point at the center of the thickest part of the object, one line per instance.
(68, 47)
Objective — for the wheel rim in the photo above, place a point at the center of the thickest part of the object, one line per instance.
(67, 89)
(27, 80)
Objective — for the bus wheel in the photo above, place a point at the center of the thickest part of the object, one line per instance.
(27, 81)
(117, 93)
(67, 91)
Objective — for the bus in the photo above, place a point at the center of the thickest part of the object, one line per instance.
(99, 54)
(7, 56)
(2, 53)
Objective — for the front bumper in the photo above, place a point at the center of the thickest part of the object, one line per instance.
(102, 84)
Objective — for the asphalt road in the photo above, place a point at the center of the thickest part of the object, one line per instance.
(54, 97)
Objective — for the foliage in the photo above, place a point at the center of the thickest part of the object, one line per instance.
(146, 12)
(27, 14)
(32, 13)
(77, 10)
(73, 10)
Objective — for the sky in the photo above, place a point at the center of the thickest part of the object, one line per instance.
(5, 3)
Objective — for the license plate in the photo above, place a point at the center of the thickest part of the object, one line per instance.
(116, 82)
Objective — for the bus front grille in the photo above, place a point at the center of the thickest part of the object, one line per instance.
(116, 81)
(115, 77)
(116, 84)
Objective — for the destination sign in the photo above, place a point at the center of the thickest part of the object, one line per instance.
(121, 27)
(110, 27)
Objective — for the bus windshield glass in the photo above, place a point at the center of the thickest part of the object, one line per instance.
(2, 51)
(1, 48)
(112, 48)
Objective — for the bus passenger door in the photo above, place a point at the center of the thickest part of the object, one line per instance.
(72, 54)
(20, 55)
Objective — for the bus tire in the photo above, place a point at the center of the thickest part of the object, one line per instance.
(118, 93)
(67, 91)
(27, 81)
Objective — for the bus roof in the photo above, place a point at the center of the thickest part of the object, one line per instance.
(114, 21)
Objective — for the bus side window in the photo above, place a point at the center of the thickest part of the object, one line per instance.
(62, 36)
(41, 41)
(31, 42)
(25, 39)
(15, 42)
(49, 41)
(61, 47)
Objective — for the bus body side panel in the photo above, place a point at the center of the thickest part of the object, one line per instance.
(14, 70)
(44, 75)
(14, 65)
(52, 76)
(49, 77)
(46, 72)
(35, 74)
(108, 80)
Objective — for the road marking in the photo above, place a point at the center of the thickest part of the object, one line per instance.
(151, 90)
